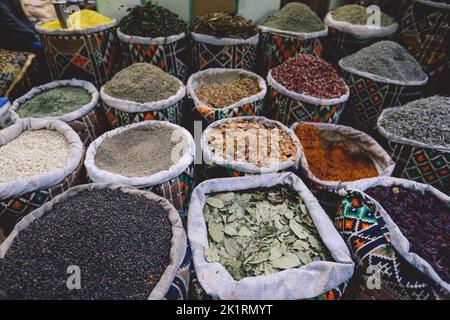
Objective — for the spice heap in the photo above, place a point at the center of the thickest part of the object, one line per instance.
(224, 94)
(79, 20)
(225, 25)
(333, 162)
(121, 243)
(55, 102)
(358, 15)
(138, 152)
(33, 153)
(386, 59)
(295, 17)
(309, 75)
(142, 82)
(252, 142)
(426, 120)
(261, 232)
(152, 21)
(423, 219)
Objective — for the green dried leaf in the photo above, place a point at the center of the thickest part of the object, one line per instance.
(286, 262)
(216, 231)
(215, 202)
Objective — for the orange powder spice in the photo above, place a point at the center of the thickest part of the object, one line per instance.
(333, 163)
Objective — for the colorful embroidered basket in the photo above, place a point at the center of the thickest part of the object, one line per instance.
(211, 52)
(170, 54)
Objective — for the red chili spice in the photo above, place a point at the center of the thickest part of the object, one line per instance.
(309, 75)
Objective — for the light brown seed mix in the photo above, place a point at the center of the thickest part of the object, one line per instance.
(222, 95)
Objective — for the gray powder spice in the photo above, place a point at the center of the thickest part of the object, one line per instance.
(386, 59)
(142, 82)
(426, 120)
(138, 152)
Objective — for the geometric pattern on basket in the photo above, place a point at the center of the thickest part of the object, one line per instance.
(230, 57)
(277, 48)
(364, 230)
(423, 165)
(367, 100)
(89, 127)
(89, 56)
(212, 115)
(179, 289)
(118, 118)
(288, 111)
(169, 57)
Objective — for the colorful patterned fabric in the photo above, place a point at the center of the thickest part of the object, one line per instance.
(14, 67)
(230, 57)
(171, 57)
(89, 56)
(118, 118)
(423, 165)
(277, 48)
(289, 111)
(210, 115)
(179, 289)
(364, 230)
(90, 126)
(12, 210)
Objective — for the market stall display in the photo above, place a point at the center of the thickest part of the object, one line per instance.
(92, 227)
(225, 93)
(306, 88)
(75, 102)
(153, 34)
(292, 30)
(418, 138)
(152, 155)
(39, 159)
(311, 261)
(224, 40)
(142, 92)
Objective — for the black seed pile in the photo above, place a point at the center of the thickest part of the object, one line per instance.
(120, 242)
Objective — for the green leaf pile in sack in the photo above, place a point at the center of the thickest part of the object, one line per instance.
(353, 27)
(417, 136)
(265, 237)
(87, 50)
(75, 102)
(152, 155)
(306, 88)
(226, 93)
(39, 159)
(153, 34)
(397, 231)
(258, 146)
(224, 40)
(142, 92)
(293, 29)
(380, 76)
(97, 242)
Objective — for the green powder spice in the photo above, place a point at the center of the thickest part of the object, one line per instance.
(426, 120)
(55, 102)
(138, 152)
(356, 14)
(295, 17)
(386, 59)
(152, 21)
(142, 82)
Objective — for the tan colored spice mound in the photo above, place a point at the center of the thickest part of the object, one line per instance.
(222, 95)
(334, 162)
(33, 153)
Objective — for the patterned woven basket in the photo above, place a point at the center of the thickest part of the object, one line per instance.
(170, 54)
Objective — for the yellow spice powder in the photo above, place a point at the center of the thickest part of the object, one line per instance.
(79, 20)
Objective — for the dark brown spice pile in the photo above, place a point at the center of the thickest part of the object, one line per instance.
(225, 25)
(309, 75)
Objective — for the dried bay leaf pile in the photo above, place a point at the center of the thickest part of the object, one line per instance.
(261, 232)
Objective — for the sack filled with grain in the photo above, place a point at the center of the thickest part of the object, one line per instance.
(248, 146)
(397, 228)
(39, 159)
(225, 93)
(75, 102)
(77, 247)
(265, 237)
(142, 92)
(151, 155)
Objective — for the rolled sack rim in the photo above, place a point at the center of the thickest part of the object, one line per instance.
(434, 4)
(217, 41)
(149, 40)
(297, 35)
